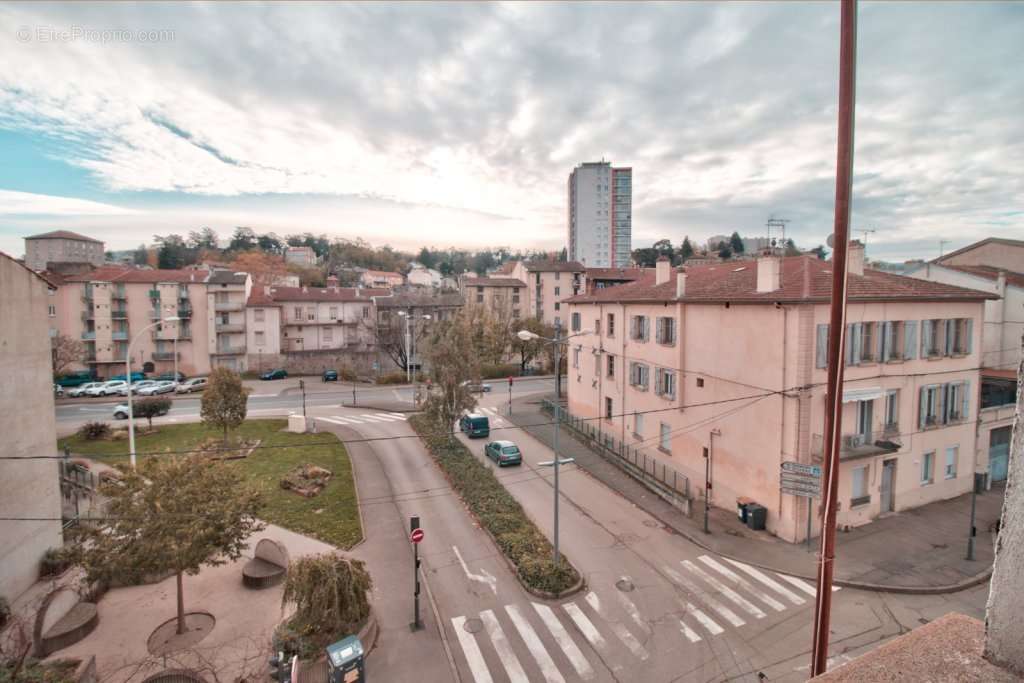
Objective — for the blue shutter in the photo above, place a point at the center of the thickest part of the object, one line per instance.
(926, 337)
(922, 403)
(821, 355)
(970, 335)
(848, 345)
(941, 411)
(858, 342)
(948, 333)
(909, 339)
(966, 399)
(885, 340)
(879, 340)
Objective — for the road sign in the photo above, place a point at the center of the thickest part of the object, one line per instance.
(807, 488)
(800, 468)
(510, 381)
(416, 536)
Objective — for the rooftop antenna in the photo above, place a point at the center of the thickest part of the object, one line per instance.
(866, 232)
(942, 246)
(780, 223)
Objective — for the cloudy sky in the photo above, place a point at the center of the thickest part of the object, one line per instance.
(458, 124)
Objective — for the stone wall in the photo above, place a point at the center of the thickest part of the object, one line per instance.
(315, 362)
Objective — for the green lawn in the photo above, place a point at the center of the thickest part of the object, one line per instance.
(332, 516)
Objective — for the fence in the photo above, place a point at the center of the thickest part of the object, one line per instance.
(77, 485)
(663, 480)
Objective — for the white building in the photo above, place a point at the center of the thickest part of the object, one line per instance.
(424, 277)
(600, 215)
(62, 246)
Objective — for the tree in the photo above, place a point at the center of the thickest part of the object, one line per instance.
(264, 268)
(67, 351)
(174, 514)
(736, 243)
(563, 255)
(791, 248)
(149, 408)
(664, 248)
(820, 252)
(173, 253)
(243, 239)
(224, 401)
(530, 349)
(330, 595)
(646, 257)
(724, 250)
(450, 366)
(205, 238)
(685, 249)
(270, 243)
(140, 256)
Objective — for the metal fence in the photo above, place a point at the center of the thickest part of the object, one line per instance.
(663, 480)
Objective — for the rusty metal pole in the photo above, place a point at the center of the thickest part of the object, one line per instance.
(837, 329)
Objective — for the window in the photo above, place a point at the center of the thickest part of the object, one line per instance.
(958, 331)
(864, 419)
(952, 454)
(515, 314)
(611, 324)
(558, 276)
(333, 312)
(575, 322)
(956, 401)
(558, 291)
(328, 335)
(892, 340)
(930, 408)
(700, 381)
(558, 306)
(260, 338)
(664, 437)
(666, 331)
(298, 313)
(639, 375)
(638, 425)
(479, 298)
(892, 410)
(639, 328)
(258, 315)
(928, 468)
(597, 327)
(52, 310)
(311, 313)
(997, 392)
(867, 342)
(608, 407)
(515, 296)
(933, 334)
(611, 366)
(366, 311)
(576, 357)
(666, 383)
(479, 290)
(859, 493)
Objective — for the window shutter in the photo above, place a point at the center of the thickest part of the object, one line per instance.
(948, 328)
(926, 337)
(969, 342)
(909, 339)
(885, 342)
(922, 406)
(944, 390)
(821, 357)
(965, 399)
(848, 344)
(858, 342)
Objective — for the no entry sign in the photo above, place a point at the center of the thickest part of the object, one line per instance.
(416, 536)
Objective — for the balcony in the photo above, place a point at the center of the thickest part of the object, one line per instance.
(119, 336)
(229, 351)
(184, 311)
(119, 313)
(856, 446)
(164, 355)
(154, 294)
(88, 315)
(118, 295)
(230, 328)
(228, 305)
(89, 336)
(155, 314)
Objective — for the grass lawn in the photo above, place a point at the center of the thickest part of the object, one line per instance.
(332, 516)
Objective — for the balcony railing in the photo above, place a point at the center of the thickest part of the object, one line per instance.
(228, 305)
(119, 336)
(230, 328)
(164, 355)
(118, 296)
(119, 313)
(184, 311)
(229, 351)
(853, 446)
(91, 336)
(88, 315)
(154, 294)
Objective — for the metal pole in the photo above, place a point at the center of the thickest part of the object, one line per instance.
(131, 416)
(970, 535)
(810, 507)
(558, 420)
(837, 329)
(707, 483)
(353, 393)
(408, 353)
(176, 351)
(302, 386)
(509, 395)
(416, 594)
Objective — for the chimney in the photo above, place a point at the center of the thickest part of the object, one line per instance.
(304, 289)
(332, 283)
(266, 290)
(662, 270)
(681, 283)
(769, 273)
(855, 258)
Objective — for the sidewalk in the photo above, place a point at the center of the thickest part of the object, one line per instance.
(916, 551)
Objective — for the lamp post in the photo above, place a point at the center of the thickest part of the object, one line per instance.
(557, 340)
(128, 379)
(410, 348)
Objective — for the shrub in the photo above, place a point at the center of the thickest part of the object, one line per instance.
(54, 562)
(94, 431)
(392, 378)
(151, 407)
(5, 611)
(498, 511)
(500, 371)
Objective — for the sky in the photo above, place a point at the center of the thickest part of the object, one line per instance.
(458, 124)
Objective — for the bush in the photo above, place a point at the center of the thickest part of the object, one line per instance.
(500, 371)
(392, 378)
(55, 561)
(5, 611)
(149, 408)
(498, 511)
(94, 431)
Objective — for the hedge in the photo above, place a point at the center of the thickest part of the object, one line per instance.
(498, 512)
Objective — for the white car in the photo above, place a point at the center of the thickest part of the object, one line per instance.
(58, 391)
(191, 385)
(137, 387)
(154, 388)
(83, 389)
(121, 411)
(107, 388)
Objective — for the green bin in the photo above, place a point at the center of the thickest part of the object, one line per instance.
(757, 515)
(345, 661)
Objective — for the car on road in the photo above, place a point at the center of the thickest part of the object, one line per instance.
(191, 385)
(475, 425)
(169, 377)
(136, 377)
(279, 373)
(330, 376)
(107, 388)
(165, 387)
(75, 379)
(503, 453)
(477, 387)
(83, 389)
(58, 391)
(121, 411)
(136, 387)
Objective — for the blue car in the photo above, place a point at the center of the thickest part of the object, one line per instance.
(475, 425)
(503, 453)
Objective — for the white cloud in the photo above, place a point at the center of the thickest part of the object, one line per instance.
(27, 203)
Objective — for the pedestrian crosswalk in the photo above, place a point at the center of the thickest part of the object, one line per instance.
(364, 418)
(495, 417)
(552, 642)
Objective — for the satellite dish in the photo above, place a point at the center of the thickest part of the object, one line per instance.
(831, 241)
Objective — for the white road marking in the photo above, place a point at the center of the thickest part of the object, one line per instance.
(400, 416)
(707, 622)
(371, 418)
(483, 577)
(830, 663)
(475, 658)
(387, 416)
(744, 604)
(690, 634)
(767, 580)
(565, 641)
(262, 395)
(534, 645)
(489, 411)
(94, 410)
(634, 613)
(627, 638)
(395, 392)
(724, 611)
(501, 645)
(805, 586)
(730, 574)
(585, 626)
(333, 421)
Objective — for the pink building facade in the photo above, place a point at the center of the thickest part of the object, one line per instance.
(730, 358)
(549, 284)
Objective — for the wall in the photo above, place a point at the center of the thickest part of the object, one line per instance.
(28, 488)
(592, 219)
(40, 252)
(270, 326)
(993, 254)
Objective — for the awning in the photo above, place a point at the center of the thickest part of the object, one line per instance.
(865, 394)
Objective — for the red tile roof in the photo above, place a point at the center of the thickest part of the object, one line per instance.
(259, 298)
(990, 273)
(63, 235)
(804, 279)
(284, 295)
(622, 274)
(493, 282)
(139, 275)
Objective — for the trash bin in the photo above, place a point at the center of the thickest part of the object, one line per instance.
(345, 661)
(741, 508)
(757, 515)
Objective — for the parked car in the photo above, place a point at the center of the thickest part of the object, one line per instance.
(58, 391)
(121, 411)
(83, 390)
(165, 387)
(477, 387)
(475, 425)
(330, 376)
(136, 377)
(191, 385)
(503, 453)
(169, 377)
(75, 379)
(274, 374)
(107, 388)
(136, 387)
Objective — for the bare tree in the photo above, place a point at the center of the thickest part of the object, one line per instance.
(67, 351)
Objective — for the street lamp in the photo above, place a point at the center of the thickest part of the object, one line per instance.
(409, 342)
(557, 341)
(128, 379)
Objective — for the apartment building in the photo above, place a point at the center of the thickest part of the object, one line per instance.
(599, 278)
(381, 279)
(30, 499)
(226, 296)
(62, 246)
(314, 318)
(600, 216)
(548, 285)
(727, 362)
(500, 295)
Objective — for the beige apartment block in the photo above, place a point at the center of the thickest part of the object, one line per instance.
(62, 246)
(226, 297)
(549, 284)
(381, 279)
(731, 358)
(30, 500)
(499, 295)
